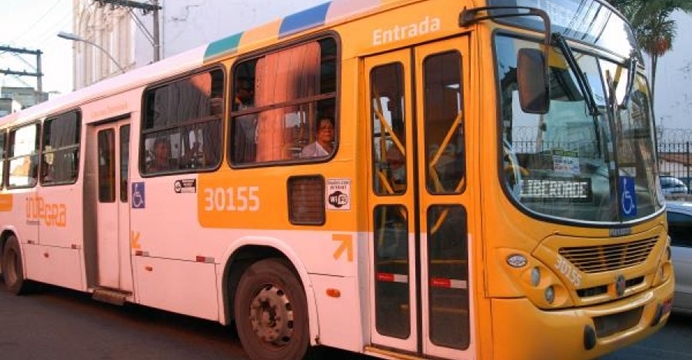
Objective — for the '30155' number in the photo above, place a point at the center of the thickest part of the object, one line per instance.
(568, 270)
(241, 198)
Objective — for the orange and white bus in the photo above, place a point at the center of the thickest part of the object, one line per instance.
(447, 179)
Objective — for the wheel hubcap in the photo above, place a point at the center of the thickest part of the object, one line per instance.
(271, 316)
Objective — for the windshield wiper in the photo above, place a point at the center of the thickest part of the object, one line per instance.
(631, 72)
(583, 83)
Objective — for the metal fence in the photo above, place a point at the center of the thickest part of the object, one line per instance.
(675, 152)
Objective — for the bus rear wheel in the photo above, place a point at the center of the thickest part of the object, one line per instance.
(12, 267)
(271, 312)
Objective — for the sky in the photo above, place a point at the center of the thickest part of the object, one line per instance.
(673, 88)
(33, 25)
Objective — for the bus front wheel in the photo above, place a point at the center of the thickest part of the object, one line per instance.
(12, 267)
(271, 312)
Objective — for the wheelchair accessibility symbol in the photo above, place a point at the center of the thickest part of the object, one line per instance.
(138, 199)
(628, 199)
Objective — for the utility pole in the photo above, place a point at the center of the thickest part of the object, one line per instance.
(38, 74)
(146, 8)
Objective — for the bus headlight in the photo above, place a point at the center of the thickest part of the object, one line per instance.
(535, 276)
(549, 294)
(665, 266)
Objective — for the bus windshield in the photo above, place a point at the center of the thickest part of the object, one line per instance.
(579, 162)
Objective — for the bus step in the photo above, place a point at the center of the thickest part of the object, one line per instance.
(110, 296)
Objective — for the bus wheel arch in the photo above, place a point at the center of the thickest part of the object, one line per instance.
(3, 239)
(267, 297)
(13, 265)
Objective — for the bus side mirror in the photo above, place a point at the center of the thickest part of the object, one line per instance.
(532, 81)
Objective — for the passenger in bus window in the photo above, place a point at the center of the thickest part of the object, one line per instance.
(161, 156)
(323, 145)
(47, 172)
(215, 105)
(245, 125)
(397, 166)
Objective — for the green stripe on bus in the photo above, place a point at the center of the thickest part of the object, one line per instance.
(227, 45)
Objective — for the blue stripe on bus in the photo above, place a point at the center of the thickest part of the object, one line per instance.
(304, 20)
(227, 45)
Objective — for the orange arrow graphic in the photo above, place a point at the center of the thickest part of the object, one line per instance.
(134, 239)
(346, 245)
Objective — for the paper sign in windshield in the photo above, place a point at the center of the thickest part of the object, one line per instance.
(566, 164)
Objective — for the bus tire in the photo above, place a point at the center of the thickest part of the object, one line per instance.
(271, 312)
(13, 268)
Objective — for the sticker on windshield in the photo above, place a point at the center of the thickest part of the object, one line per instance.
(566, 164)
(628, 199)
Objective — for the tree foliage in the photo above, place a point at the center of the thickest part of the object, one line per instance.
(654, 29)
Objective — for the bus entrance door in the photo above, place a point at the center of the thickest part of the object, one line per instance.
(418, 207)
(107, 174)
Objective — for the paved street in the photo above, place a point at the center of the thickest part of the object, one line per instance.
(57, 324)
(671, 343)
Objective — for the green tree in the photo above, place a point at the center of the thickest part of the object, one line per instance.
(653, 26)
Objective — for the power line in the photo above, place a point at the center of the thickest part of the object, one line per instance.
(146, 8)
(39, 20)
(38, 75)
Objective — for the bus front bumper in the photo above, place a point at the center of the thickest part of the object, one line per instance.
(523, 331)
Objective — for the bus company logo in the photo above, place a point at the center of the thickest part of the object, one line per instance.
(620, 285)
(407, 31)
(51, 214)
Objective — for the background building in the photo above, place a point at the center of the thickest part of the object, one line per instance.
(8, 106)
(128, 33)
(24, 96)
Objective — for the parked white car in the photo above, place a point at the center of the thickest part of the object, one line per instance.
(672, 185)
(680, 231)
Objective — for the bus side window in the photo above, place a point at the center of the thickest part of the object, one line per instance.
(3, 139)
(60, 149)
(182, 125)
(279, 98)
(23, 156)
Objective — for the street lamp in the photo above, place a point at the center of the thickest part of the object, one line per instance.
(73, 37)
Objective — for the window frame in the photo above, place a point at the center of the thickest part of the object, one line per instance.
(328, 100)
(34, 155)
(74, 146)
(3, 156)
(185, 127)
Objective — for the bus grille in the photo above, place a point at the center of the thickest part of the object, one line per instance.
(611, 324)
(594, 259)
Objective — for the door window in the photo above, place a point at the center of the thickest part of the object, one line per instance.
(389, 142)
(444, 130)
(106, 166)
(392, 301)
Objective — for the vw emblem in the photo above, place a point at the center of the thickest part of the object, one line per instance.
(620, 285)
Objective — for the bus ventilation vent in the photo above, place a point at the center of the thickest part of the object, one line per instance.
(306, 205)
(594, 259)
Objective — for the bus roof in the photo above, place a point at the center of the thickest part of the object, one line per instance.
(326, 14)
